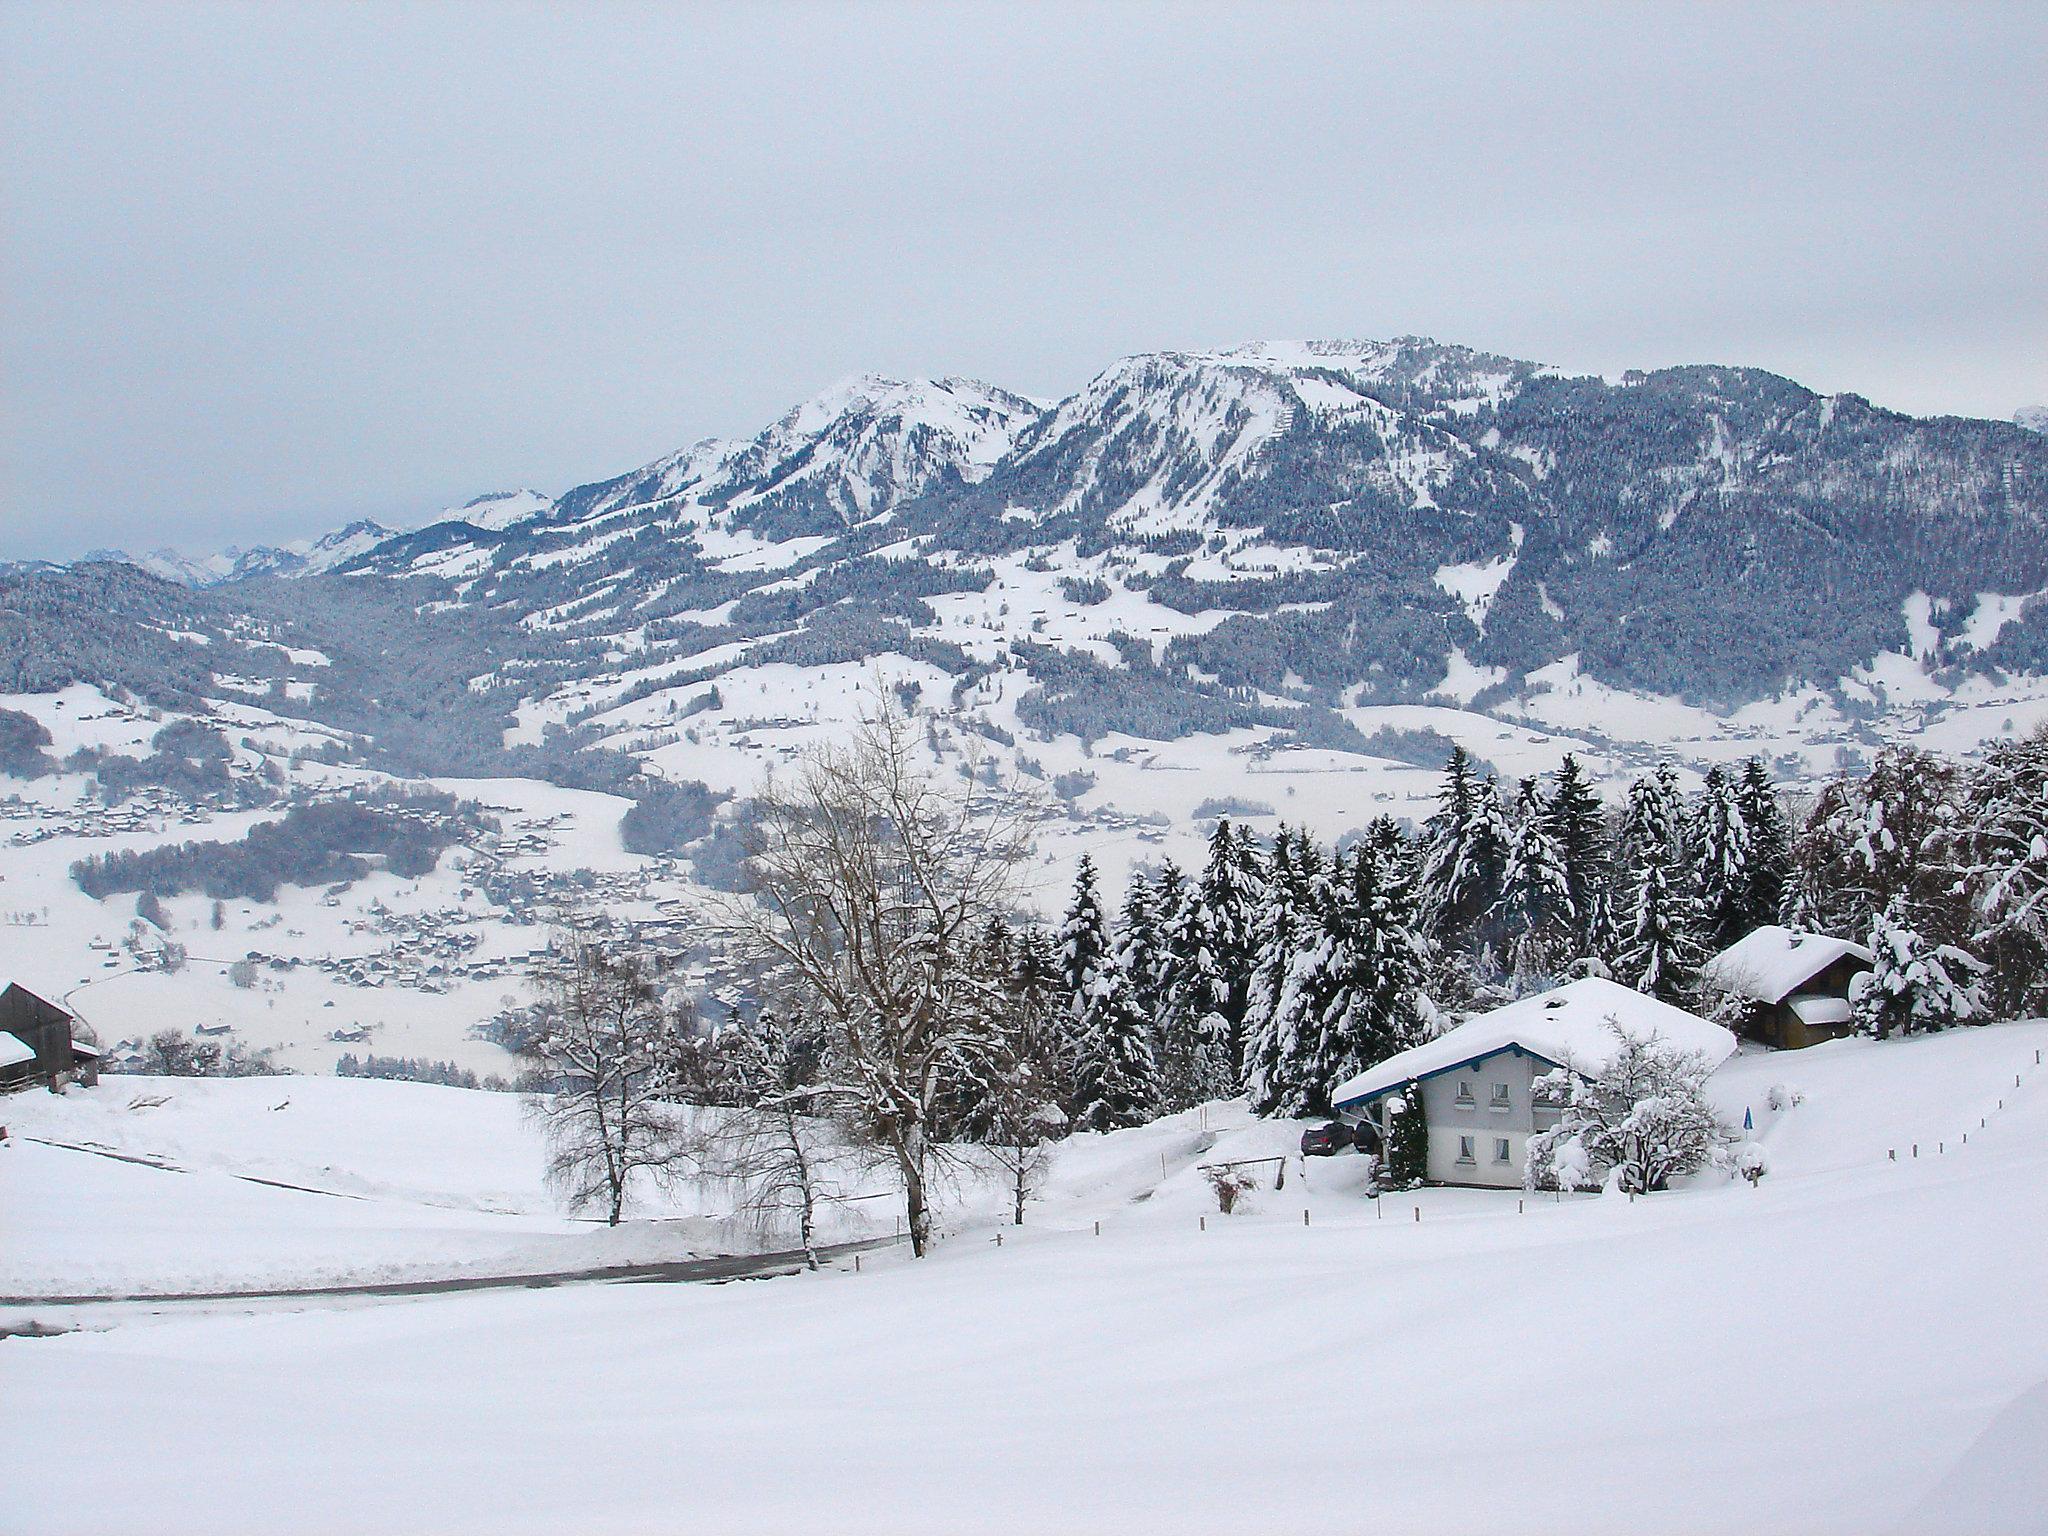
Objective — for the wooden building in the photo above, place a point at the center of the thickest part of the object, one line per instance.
(1798, 984)
(37, 1045)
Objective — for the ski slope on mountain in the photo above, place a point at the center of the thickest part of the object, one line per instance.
(1855, 1345)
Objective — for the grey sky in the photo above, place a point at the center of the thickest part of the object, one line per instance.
(268, 267)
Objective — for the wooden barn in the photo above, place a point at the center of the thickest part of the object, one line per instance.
(37, 1045)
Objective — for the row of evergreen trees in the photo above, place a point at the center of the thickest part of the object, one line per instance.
(1281, 971)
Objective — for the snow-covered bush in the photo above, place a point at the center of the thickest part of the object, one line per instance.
(1917, 984)
(1231, 1186)
(1639, 1121)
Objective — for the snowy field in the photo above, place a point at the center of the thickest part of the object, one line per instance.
(1859, 1345)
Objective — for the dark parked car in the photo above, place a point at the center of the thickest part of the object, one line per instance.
(1326, 1140)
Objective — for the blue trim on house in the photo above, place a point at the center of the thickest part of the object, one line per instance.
(1456, 1066)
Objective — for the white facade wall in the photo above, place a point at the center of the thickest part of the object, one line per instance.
(1479, 1119)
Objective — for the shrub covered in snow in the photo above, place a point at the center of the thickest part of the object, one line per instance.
(1640, 1121)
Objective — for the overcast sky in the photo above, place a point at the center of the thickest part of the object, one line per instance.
(269, 267)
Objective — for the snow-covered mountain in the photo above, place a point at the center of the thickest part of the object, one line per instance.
(496, 511)
(1284, 546)
(849, 453)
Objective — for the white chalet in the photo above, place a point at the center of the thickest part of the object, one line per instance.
(1476, 1080)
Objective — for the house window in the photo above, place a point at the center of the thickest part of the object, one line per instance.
(1500, 1150)
(1500, 1095)
(1465, 1150)
(1464, 1092)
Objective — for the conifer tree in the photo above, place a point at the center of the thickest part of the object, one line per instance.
(1084, 958)
(1465, 855)
(1770, 844)
(1721, 872)
(1117, 1084)
(1536, 903)
(1232, 889)
(1286, 924)
(1141, 949)
(2002, 851)
(1407, 1122)
(1659, 951)
(1918, 984)
(1578, 826)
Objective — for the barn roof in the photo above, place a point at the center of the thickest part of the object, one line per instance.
(1770, 962)
(14, 1050)
(1567, 1026)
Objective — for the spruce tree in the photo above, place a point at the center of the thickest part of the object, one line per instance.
(1918, 984)
(1286, 924)
(1232, 888)
(1770, 844)
(1659, 950)
(1536, 903)
(1720, 855)
(1117, 1085)
(1577, 824)
(2002, 853)
(1141, 949)
(1084, 958)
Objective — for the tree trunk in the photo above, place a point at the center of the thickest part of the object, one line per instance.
(910, 1159)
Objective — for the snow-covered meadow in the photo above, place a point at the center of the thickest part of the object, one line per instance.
(1856, 1345)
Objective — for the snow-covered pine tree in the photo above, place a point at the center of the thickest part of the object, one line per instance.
(1918, 984)
(1659, 950)
(1193, 1035)
(963, 1108)
(1535, 908)
(1578, 826)
(1232, 891)
(1720, 862)
(1382, 1006)
(2003, 850)
(1084, 957)
(1306, 969)
(1462, 860)
(1141, 949)
(1287, 922)
(1906, 843)
(1822, 894)
(1770, 844)
(1117, 1085)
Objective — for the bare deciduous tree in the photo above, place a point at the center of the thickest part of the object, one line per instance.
(867, 881)
(774, 1146)
(605, 1056)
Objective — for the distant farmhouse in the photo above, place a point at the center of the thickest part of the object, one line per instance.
(37, 1045)
(1477, 1081)
(1798, 984)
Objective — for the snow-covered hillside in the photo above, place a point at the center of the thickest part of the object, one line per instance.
(1854, 1345)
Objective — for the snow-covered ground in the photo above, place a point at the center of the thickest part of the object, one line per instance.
(1860, 1344)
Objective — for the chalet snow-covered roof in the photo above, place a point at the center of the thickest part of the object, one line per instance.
(13, 1050)
(1567, 1025)
(1770, 962)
